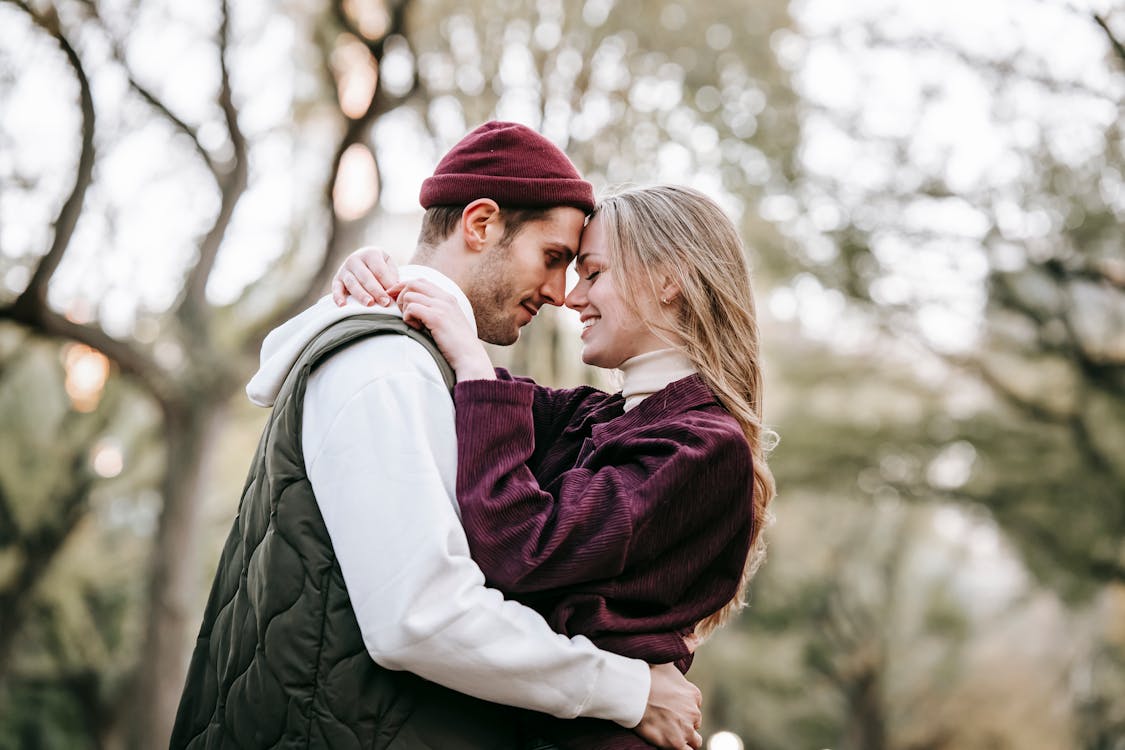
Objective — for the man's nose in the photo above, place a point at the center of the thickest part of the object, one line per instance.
(554, 290)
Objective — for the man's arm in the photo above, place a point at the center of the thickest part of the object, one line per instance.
(380, 453)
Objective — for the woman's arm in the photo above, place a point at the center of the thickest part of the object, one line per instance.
(427, 307)
(664, 483)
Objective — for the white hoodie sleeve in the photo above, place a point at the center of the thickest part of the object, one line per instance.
(380, 448)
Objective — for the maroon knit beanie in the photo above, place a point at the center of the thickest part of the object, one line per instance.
(511, 164)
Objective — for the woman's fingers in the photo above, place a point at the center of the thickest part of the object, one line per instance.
(379, 263)
(421, 289)
(422, 286)
(362, 284)
(338, 295)
(366, 275)
(352, 287)
(419, 307)
(412, 314)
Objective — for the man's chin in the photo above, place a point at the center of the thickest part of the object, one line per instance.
(509, 340)
(501, 337)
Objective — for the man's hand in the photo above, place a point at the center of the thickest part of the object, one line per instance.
(674, 712)
(366, 274)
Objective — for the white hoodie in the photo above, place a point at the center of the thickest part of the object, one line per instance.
(380, 448)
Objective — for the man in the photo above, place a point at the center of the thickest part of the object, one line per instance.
(346, 611)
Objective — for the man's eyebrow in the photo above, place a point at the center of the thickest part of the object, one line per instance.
(570, 253)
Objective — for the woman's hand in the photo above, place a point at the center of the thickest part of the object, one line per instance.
(366, 274)
(426, 306)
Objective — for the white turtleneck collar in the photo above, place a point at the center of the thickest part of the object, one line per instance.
(647, 373)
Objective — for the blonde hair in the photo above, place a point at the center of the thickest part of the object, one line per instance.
(664, 232)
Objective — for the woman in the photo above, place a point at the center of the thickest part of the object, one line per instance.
(633, 518)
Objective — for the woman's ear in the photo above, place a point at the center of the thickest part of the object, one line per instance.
(669, 291)
(480, 222)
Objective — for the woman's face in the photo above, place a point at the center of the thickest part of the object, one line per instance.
(611, 331)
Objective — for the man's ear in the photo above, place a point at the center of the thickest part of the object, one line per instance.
(481, 224)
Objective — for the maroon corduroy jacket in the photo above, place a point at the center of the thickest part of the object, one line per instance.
(628, 528)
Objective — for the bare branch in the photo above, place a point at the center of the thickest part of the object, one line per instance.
(1114, 42)
(1073, 421)
(1109, 271)
(1045, 536)
(1002, 389)
(155, 102)
(129, 359)
(30, 308)
(40, 546)
(357, 131)
(147, 94)
(1005, 69)
(36, 292)
(193, 306)
(1086, 445)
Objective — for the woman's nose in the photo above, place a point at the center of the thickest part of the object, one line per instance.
(576, 300)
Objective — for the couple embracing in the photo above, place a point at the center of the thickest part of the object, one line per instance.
(432, 553)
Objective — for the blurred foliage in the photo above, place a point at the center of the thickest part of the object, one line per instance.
(696, 87)
(72, 544)
(1048, 450)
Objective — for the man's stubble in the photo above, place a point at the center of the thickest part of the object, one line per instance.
(491, 293)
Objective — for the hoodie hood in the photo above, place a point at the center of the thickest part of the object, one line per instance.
(284, 344)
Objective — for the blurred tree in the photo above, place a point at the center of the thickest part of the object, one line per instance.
(886, 426)
(633, 91)
(868, 629)
(71, 489)
(189, 358)
(1008, 270)
(670, 99)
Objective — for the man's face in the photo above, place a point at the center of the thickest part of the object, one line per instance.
(520, 274)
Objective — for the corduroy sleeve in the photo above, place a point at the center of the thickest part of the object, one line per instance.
(527, 539)
(552, 409)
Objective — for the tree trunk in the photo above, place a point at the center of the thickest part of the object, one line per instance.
(866, 725)
(191, 431)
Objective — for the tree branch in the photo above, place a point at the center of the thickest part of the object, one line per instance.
(193, 308)
(357, 131)
(129, 359)
(30, 308)
(1003, 390)
(147, 94)
(1001, 68)
(42, 545)
(1043, 536)
(35, 295)
(156, 103)
(1114, 42)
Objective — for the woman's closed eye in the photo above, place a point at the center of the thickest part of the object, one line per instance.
(592, 275)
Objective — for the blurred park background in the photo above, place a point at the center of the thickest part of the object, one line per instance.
(932, 198)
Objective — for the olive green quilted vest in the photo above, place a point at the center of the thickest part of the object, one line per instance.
(280, 661)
